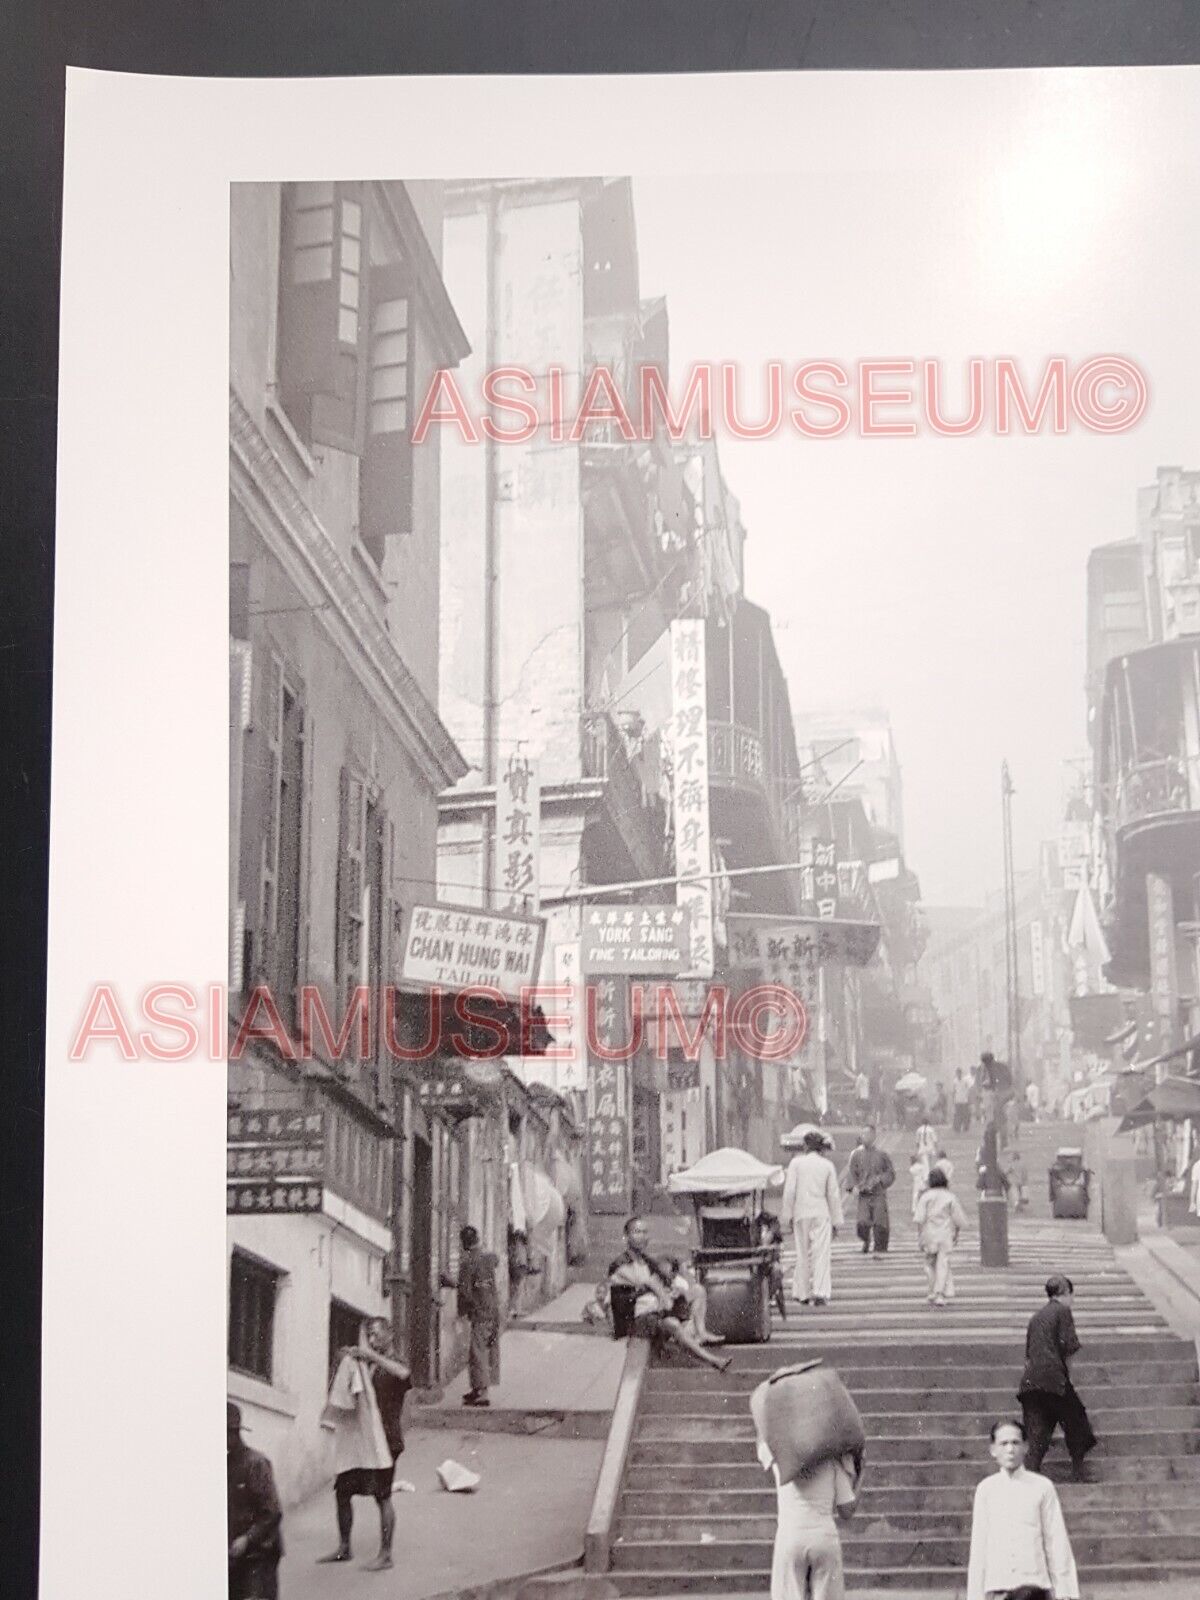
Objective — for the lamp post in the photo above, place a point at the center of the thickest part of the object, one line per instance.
(993, 1205)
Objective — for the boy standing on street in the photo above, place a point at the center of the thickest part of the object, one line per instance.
(1019, 1540)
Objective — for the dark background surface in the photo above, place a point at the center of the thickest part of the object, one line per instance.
(39, 38)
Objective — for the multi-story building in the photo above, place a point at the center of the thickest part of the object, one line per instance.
(965, 968)
(607, 573)
(1145, 732)
(348, 1178)
(876, 1017)
(857, 754)
(564, 561)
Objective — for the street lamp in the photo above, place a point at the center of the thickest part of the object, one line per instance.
(993, 1205)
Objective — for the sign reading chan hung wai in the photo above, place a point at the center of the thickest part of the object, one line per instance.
(458, 947)
(651, 940)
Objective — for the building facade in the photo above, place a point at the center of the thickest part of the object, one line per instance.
(348, 1172)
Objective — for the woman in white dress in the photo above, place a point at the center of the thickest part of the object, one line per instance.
(807, 1559)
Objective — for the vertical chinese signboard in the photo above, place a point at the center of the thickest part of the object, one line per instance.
(609, 1169)
(1163, 977)
(570, 1070)
(825, 879)
(689, 797)
(518, 821)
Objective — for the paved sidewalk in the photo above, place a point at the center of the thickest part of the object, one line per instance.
(528, 1513)
(546, 1371)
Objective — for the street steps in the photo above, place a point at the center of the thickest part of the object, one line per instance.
(696, 1514)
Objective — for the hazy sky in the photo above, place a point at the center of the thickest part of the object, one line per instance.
(944, 579)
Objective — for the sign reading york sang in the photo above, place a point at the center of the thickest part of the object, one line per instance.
(652, 940)
(455, 947)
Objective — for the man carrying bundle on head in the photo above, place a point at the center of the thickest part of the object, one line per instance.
(810, 1437)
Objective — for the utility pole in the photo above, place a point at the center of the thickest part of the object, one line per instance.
(993, 1204)
(1011, 966)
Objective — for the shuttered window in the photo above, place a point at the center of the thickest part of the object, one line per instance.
(253, 1287)
(386, 501)
(350, 907)
(324, 252)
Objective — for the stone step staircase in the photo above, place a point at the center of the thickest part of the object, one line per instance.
(697, 1514)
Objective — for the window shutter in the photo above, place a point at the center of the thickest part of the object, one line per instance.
(351, 839)
(269, 873)
(385, 502)
(323, 312)
(240, 692)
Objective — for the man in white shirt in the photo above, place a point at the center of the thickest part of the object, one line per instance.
(812, 1208)
(1018, 1536)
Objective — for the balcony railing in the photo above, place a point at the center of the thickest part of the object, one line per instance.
(1152, 788)
(735, 755)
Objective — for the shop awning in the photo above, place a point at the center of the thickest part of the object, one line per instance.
(1174, 1099)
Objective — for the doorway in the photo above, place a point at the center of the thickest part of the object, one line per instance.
(422, 1329)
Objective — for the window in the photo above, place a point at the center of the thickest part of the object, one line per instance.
(278, 912)
(253, 1287)
(1123, 614)
(324, 252)
(386, 506)
(346, 346)
(364, 906)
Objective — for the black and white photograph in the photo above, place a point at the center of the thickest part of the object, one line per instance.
(709, 1032)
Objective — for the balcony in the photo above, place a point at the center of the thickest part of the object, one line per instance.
(1152, 789)
(735, 757)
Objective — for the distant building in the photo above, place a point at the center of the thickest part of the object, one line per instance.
(857, 752)
(1144, 675)
(965, 969)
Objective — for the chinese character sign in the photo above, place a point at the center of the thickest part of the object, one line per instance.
(608, 1163)
(654, 940)
(689, 744)
(516, 854)
(570, 1072)
(1163, 980)
(455, 947)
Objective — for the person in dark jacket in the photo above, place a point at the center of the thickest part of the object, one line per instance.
(479, 1302)
(1048, 1398)
(255, 1543)
(870, 1175)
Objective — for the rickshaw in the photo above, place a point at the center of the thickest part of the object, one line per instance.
(732, 1262)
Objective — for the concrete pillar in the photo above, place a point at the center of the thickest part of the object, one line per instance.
(993, 1230)
(1114, 1170)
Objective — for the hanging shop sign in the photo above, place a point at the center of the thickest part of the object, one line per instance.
(609, 1128)
(793, 950)
(689, 787)
(649, 940)
(517, 853)
(458, 947)
(569, 1071)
